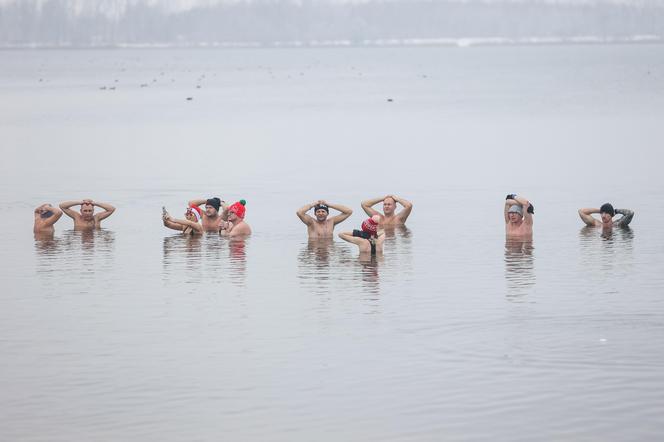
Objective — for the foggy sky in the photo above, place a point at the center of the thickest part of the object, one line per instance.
(194, 22)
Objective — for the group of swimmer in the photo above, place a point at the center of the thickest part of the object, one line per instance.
(228, 219)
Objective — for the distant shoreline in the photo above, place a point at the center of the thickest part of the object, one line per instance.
(411, 42)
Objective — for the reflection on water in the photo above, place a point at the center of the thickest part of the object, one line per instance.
(205, 258)
(606, 250)
(237, 254)
(77, 253)
(519, 267)
(326, 267)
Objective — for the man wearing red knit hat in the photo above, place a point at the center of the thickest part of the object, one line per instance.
(235, 226)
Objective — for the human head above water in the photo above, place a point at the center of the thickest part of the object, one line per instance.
(212, 206)
(607, 212)
(389, 205)
(515, 213)
(87, 209)
(237, 210)
(370, 225)
(193, 213)
(321, 211)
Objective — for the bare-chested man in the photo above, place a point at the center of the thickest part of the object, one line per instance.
(212, 219)
(518, 217)
(235, 226)
(389, 217)
(87, 219)
(606, 213)
(45, 216)
(321, 226)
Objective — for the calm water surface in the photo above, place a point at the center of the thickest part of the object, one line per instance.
(137, 333)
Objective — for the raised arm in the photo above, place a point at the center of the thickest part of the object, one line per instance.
(348, 236)
(509, 202)
(170, 224)
(524, 203)
(186, 223)
(367, 206)
(627, 216)
(56, 213)
(197, 202)
(586, 216)
(302, 213)
(66, 208)
(407, 208)
(345, 213)
(108, 210)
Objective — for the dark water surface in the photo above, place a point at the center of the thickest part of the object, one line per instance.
(137, 333)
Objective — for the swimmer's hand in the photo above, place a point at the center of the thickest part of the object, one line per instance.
(510, 196)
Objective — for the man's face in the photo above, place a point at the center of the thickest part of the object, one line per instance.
(210, 211)
(321, 214)
(388, 206)
(232, 217)
(514, 217)
(606, 217)
(87, 211)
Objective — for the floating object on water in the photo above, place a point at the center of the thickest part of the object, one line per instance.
(103, 88)
(144, 85)
(390, 100)
(198, 86)
(190, 98)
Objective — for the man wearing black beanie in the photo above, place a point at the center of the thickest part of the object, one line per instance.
(211, 219)
(606, 213)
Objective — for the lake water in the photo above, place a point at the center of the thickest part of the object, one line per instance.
(136, 333)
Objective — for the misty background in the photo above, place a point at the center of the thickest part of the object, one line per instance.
(99, 23)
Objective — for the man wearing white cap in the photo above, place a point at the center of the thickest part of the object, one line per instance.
(518, 221)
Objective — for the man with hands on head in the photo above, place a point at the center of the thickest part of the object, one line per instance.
(606, 213)
(86, 218)
(518, 217)
(212, 218)
(389, 217)
(322, 226)
(45, 216)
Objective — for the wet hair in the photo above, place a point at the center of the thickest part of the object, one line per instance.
(607, 208)
(214, 202)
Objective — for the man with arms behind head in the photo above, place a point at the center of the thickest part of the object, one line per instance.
(389, 217)
(606, 213)
(45, 216)
(211, 219)
(518, 217)
(87, 219)
(321, 226)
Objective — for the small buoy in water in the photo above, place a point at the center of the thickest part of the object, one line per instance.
(144, 85)
(112, 88)
(103, 88)
(390, 100)
(190, 98)
(198, 86)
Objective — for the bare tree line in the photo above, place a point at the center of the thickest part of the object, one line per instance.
(57, 23)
